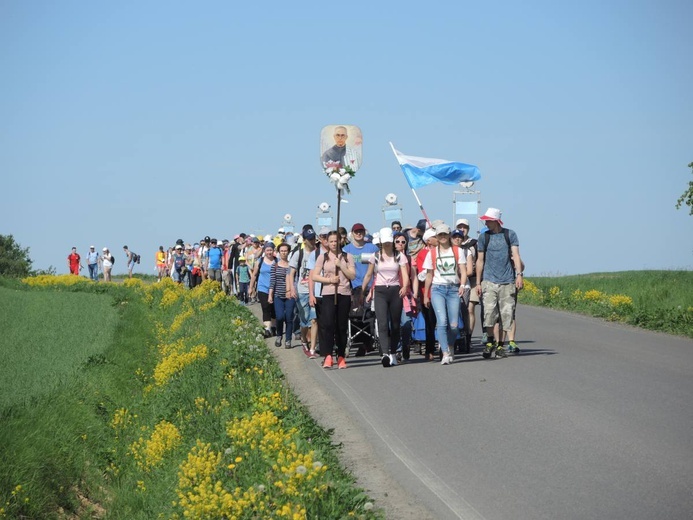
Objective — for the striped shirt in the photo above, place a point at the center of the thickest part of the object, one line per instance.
(278, 280)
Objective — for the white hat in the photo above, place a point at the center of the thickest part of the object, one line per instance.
(324, 230)
(462, 222)
(442, 228)
(385, 235)
(105, 249)
(429, 233)
(91, 247)
(492, 214)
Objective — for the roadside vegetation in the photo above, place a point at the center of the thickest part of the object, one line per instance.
(149, 401)
(655, 300)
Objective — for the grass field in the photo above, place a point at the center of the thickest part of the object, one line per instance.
(46, 336)
(181, 413)
(655, 300)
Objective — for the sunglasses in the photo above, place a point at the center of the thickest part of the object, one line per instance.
(400, 241)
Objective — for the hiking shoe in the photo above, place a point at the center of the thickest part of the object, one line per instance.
(312, 355)
(328, 362)
(288, 344)
(500, 352)
(385, 360)
(489, 350)
(278, 341)
(393, 360)
(341, 362)
(513, 348)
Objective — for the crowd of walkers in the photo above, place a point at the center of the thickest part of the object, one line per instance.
(312, 284)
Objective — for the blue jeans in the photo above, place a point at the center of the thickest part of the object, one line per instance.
(284, 310)
(94, 272)
(445, 300)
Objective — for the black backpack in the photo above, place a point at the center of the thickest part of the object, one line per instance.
(112, 259)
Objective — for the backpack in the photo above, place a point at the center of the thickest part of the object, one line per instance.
(135, 258)
(112, 259)
(474, 245)
(454, 252)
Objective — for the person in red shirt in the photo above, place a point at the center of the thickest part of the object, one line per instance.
(74, 262)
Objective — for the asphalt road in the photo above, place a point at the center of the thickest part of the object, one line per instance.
(592, 420)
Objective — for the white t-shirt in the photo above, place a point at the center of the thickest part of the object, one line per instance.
(445, 272)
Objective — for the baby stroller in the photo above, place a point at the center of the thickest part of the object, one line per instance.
(362, 334)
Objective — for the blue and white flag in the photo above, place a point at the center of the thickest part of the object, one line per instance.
(420, 171)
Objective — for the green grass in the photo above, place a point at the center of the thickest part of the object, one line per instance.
(655, 300)
(47, 336)
(89, 443)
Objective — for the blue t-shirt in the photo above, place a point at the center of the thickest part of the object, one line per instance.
(497, 265)
(214, 254)
(361, 268)
(263, 277)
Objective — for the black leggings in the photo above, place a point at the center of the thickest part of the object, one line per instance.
(333, 321)
(388, 312)
(267, 307)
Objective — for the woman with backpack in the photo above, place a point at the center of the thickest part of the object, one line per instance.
(334, 270)
(107, 261)
(260, 285)
(446, 277)
(409, 309)
(390, 287)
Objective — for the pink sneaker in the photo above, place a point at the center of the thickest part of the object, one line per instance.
(328, 362)
(341, 362)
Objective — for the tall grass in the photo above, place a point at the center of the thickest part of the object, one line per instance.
(45, 336)
(656, 300)
(183, 414)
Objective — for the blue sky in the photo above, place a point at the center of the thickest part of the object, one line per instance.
(141, 122)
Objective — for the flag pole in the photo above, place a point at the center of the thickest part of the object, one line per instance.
(412, 189)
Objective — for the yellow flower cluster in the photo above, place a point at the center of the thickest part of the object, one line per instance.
(531, 288)
(619, 300)
(180, 319)
(593, 296)
(150, 452)
(293, 477)
(169, 297)
(121, 420)
(175, 362)
(134, 283)
(554, 292)
(49, 280)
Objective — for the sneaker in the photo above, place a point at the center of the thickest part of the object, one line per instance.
(446, 360)
(328, 362)
(398, 357)
(451, 358)
(341, 362)
(500, 352)
(513, 348)
(385, 360)
(278, 341)
(312, 355)
(288, 344)
(393, 360)
(489, 350)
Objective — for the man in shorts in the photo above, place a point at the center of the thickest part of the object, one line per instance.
(298, 287)
(499, 280)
